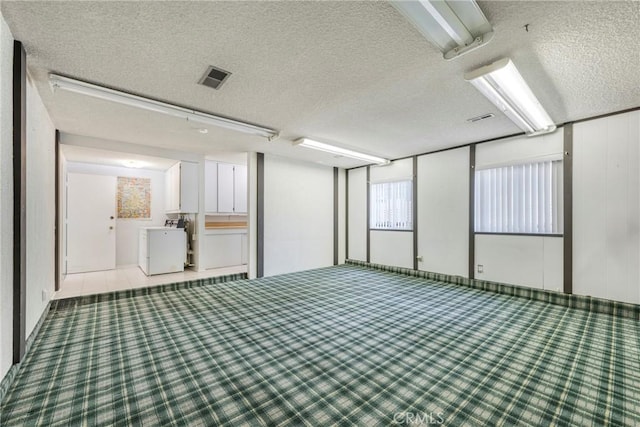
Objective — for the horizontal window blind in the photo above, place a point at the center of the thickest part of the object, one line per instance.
(520, 199)
(391, 205)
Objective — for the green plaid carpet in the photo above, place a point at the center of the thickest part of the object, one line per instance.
(336, 346)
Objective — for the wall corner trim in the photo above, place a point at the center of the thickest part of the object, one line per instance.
(19, 200)
(567, 182)
(260, 216)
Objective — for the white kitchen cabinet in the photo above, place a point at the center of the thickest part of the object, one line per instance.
(225, 188)
(225, 248)
(210, 186)
(181, 188)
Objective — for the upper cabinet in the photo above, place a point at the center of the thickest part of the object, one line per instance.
(210, 186)
(181, 188)
(225, 188)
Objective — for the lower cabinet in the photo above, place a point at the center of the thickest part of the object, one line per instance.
(225, 248)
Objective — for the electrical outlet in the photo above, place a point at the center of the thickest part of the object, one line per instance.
(45, 294)
(480, 268)
(194, 237)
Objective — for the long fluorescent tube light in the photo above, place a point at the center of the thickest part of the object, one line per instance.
(455, 26)
(95, 91)
(503, 85)
(321, 146)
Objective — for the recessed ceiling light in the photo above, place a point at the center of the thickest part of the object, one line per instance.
(134, 163)
(203, 130)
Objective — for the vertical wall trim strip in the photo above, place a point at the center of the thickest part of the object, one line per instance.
(335, 216)
(567, 182)
(368, 215)
(19, 199)
(346, 214)
(56, 221)
(414, 213)
(260, 215)
(472, 210)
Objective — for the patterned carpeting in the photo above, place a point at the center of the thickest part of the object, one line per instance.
(343, 345)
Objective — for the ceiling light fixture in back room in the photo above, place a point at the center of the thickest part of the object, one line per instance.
(100, 92)
(454, 26)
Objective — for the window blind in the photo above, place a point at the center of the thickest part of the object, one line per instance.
(391, 205)
(523, 198)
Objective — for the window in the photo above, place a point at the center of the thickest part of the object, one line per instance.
(524, 198)
(391, 205)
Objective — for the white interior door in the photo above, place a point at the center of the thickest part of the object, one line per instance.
(91, 223)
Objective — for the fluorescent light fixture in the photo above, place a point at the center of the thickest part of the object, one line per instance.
(327, 148)
(95, 91)
(506, 89)
(455, 26)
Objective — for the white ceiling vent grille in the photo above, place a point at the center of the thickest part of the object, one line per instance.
(214, 77)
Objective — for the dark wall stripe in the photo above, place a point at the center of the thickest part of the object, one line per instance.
(368, 215)
(415, 212)
(346, 214)
(19, 199)
(260, 215)
(56, 221)
(472, 210)
(567, 181)
(335, 217)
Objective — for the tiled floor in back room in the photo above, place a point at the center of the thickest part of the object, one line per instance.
(99, 282)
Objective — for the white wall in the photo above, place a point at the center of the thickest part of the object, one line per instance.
(298, 215)
(443, 212)
(40, 208)
(357, 217)
(392, 248)
(521, 260)
(519, 150)
(606, 211)
(6, 199)
(127, 229)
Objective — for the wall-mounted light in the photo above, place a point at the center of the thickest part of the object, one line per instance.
(100, 92)
(503, 85)
(455, 27)
(327, 148)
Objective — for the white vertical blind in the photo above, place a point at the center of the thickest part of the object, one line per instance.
(391, 205)
(523, 198)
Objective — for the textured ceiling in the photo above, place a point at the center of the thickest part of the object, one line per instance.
(74, 153)
(356, 73)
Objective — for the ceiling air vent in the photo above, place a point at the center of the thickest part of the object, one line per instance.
(214, 77)
(482, 117)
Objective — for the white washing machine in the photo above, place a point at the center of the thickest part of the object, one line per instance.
(162, 250)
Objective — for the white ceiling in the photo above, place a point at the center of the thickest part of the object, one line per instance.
(74, 153)
(350, 72)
